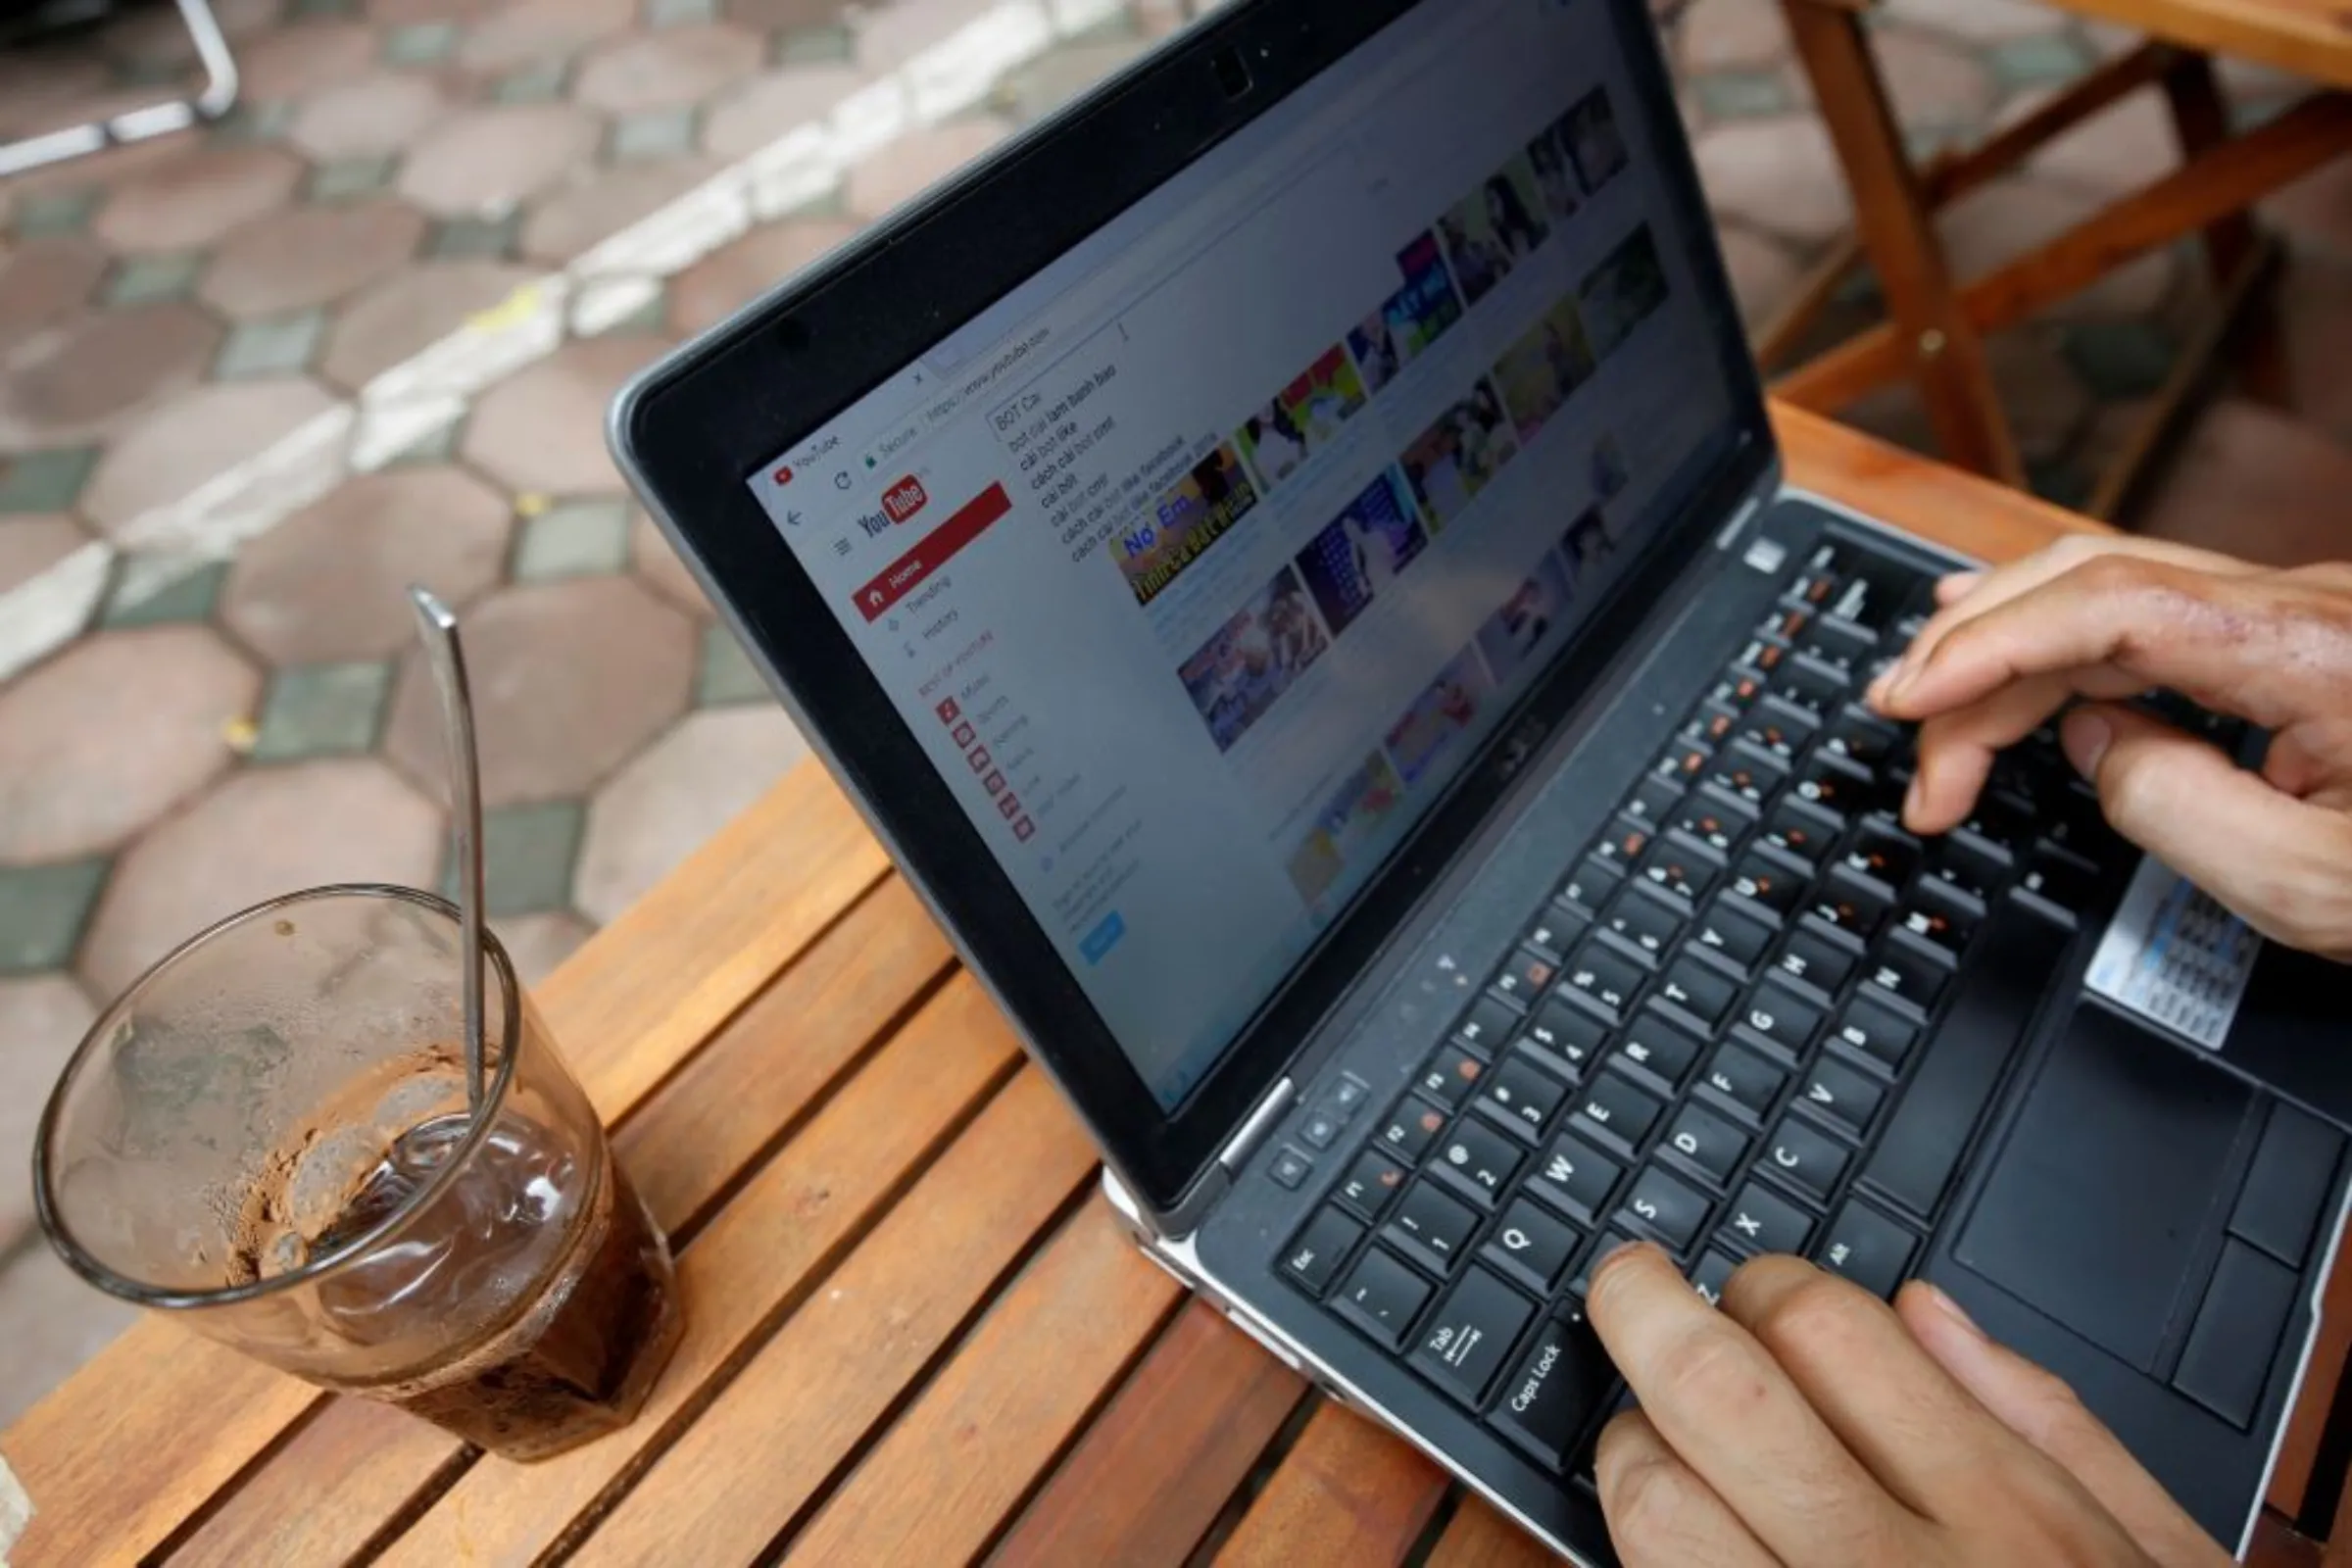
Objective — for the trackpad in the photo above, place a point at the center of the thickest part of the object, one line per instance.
(2109, 1180)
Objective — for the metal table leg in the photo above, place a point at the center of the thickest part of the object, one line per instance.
(220, 95)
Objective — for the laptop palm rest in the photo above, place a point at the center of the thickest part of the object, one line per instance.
(2101, 1204)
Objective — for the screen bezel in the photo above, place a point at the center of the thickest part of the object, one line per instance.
(693, 427)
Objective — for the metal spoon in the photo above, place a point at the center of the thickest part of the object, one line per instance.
(437, 625)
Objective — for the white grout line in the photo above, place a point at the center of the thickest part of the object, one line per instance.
(601, 287)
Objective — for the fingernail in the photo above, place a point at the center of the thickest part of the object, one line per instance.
(1951, 1309)
(2087, 737)
(1617, 1253)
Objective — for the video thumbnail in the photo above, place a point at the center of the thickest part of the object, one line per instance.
(1438, 718)
(1594, 142)
(1303, 417)
(1376, 536)
(1426, 308)
(1459, 455)
(1555, 176)
(1253, 659)
(1358, 809)
(1516, 630)
(1494, 228)
(1612, 473)
(1625, 290)
(1587, 544)
(1197, 512)
(1539, 372)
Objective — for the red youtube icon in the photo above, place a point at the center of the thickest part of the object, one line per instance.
(904, 499)
(949, 712)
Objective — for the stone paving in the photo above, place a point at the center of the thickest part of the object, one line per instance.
(255, 379)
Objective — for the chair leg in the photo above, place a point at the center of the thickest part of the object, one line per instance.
(218, 97)
(1896, 229)
(2201, 117)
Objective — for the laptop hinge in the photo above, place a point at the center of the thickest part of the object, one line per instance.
(1741, 519)
(1261, 1122)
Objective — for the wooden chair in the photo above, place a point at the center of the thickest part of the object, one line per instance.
(1937, 324)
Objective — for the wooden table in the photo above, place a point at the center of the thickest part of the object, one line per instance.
(914, 1334)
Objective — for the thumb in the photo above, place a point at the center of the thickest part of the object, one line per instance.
(2041, 1410)
(2258, 850)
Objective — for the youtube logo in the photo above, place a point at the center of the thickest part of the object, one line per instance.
(783, 475)
(904, 499)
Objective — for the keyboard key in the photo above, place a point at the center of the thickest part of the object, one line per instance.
(1767, 886)
(1670, 1209)
(1451, 1074)
(1877, 593)
(1527, 1097)
(1776, 1015)
(1576, 1178)
(1616, 1110)
(1588, 887)
(1621, 846)
(1841, 1095)
(1654, 799)
(1290, 1167)
(1554, 932)
(1371, 1185)
(1479, 1157)
(1884, 1036)
(1777, 731)
(1467, 1339)
(1730, 933)
(1559, 1390)
(1714, 821)
(1713, 1272)
(1683, 762)
(1709, 1142)
(1762, 1221)
(1321, 1129)
(1806, 1160)
(1817, 960)
(1604, 975)
(1412, 1129)
(1786, 624)
(1959, 865)
(1659, 1048)
(1938, 921)
(1835, 787)
(1698, 991)
(1799, 830)
(1864, 741)
(1533, 1243)
(1868, 1248)
(1838, 645)
(2002, 821)
(1348, 1094)
(1713, 722)
(1882, 852)
(1739, 689)
(1681, 869)
(1316, 1255)
(1645, 921)
(1568, 1039)
(1381, 1297)
(1911, 974)
(1962, 1064)
(2065, 881)
(1746, 1079)
(1439, 1225)
(1486, 1026)
(1524, 977)
(1809, 688)
(1746, 775)
(1849, 905)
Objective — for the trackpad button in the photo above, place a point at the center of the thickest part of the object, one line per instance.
(2110, 1178)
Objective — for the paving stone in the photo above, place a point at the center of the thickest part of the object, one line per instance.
(600, 204)
(543, 430)
(109, 734)
(43, 1019)
(537, 945)
(43, 909)
(573, 539)
(152, 279)
(679, 12)
(187, 597)
(778, 102)
(260, 833)
(1781, 175)
(421, 43)
(474, 239)
(1764, 274)
(328, 585)
(402, 315)
(529, 31)
(825, 44)
(660, 566)
(321, 711)
(1732, 35)
(913, 164)
(571, 679)
(2127, 358)
(528, 857)
(2119, 151)
(65, 212)
(1742, 94)
(305, 58)
(486, 160)
(738, 273)
(2313, 310)
(56, 1323)
(888, 36)
(42, 280)
(272, 346)
(432, 450)
(2256, 483)
(312, 9)
(51, 480)
(727, 676)
(1995, 224)
(1977, 21)
(2043, 60)
(2316, 211)
(192, 440)
(248, 125)
(665, 803)
(377, 115)
(539, 84)
(1932, 81)
(341, 180)
(311, 257)
(652, 315)
(655, 134)
(92, 374)
(30, 545)
(199, 199)
(667, 70)
(1034, 90)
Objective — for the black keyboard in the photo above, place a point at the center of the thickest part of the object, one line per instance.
(1755, 1015)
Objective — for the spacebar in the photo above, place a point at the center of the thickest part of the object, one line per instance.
(1954, 1083)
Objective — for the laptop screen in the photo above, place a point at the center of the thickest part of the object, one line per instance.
(1206, 560)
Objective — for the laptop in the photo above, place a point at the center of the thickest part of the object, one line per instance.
(1290, 556)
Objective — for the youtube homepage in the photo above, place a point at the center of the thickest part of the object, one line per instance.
(1198, 595)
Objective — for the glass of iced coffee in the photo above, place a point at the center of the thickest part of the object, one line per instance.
(273, 1136)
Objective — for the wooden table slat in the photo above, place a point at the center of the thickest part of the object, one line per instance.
(1477, 1536)
(1346, 1493)
(956, 1463)
(747, 1271)
(1194, 1418)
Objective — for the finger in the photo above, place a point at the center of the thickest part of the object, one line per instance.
(2041, 1410)
(1952, 589)
(1956, 750)
(1920, 1433)
(1662, 1514)
(1724, 1405)
(2277, 862)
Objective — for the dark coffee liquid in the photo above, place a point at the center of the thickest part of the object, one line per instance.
(586, 1371)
